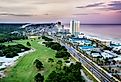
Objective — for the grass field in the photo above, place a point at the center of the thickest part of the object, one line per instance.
(24, 71)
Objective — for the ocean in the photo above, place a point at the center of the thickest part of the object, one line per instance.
(112, 32)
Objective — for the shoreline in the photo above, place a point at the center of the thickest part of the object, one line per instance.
(9, 62)
(101, 37)
(108, 34)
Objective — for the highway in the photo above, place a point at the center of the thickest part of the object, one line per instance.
(89, 64)
(95, 69)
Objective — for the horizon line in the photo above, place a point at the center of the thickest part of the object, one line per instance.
(63, 23)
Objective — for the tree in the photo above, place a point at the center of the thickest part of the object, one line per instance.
(38, 64)
(62, 54)
(11, 51)
(2, 46)
(59, 62)
(51, 77)
(50, 60)
(63, 48)
(78, 65)
(65, 58)
(55, 47)
(1, 53)
(114, 62)
(98, 59)
(97, 45)
(28, 44)
(106, 61)
(46, 38)
(11, 54)
(39, 78)
(67, 74)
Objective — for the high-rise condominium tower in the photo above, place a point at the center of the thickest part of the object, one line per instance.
(74, 27)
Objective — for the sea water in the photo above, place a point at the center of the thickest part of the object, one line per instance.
(112, 32)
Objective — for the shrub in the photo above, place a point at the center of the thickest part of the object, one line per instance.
(39, 78)
(61, 54)
(67, 61)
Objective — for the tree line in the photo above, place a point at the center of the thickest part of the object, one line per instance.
(62, 73)
(11, 51)
(67, 74)
(38, 77)
(61, 50)
(70, 73)
(46, 38)
(6, 28)
(10, 38)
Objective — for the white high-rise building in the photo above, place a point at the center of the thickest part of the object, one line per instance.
(75, 27)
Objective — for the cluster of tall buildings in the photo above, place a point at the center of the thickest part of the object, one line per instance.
(60, 28)
(75, 27)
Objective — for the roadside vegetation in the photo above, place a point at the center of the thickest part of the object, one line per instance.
(89, 75)
(66, 74)
(63, 73)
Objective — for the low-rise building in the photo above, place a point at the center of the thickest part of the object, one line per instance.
(81, 41)
(117, 48)
(33, 37)
(106, 55)
(105, 42)
(118, 59)
(81, 35)
(95, 54)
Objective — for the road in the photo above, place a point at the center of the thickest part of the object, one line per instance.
(95, 69)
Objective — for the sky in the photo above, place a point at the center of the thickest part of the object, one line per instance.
(86, 11)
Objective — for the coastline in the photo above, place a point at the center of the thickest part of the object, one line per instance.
(9, 62)
(102, 37)
(106, 32)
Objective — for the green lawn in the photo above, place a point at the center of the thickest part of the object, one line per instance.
(24, 71)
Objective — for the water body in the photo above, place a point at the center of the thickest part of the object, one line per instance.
(112, 32)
